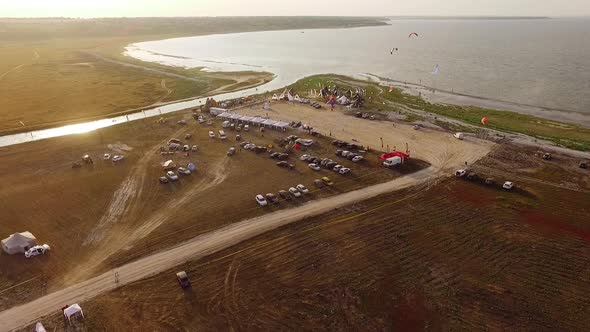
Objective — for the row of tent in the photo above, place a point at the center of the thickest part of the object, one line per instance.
(253, 120)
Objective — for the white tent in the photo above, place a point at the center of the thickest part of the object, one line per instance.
(39, 327)
(247, 118)
(224, 115)
(275, 97)
(281, 124)
(257, 120)
(19, 243)
(72, 310)
(290, 96)
(343, 100)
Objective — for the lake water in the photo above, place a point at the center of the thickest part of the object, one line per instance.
(543, 62)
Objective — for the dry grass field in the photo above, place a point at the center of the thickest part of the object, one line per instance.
(455, 256)
(103, 215)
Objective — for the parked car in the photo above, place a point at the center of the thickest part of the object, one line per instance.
(337, 168)
(282, 164)
(315, 167)
(294, 192)
(302, 189)
(344, 153)
(231, 151)
(211, 134)
(37, 250)
(243, 144)
(195, 148)
(274, 155)
(327, 181)
(344, 171)
(246, 128)
(331, 165)
(118, 158)
(356, 159)
(184, 171)
(183, 280)
(351, 156)
(305, 157)
(283, 156)
(460, 173)
(164, 179)
(319, 184)
(271, 198)
(106, 156)
(261, 200)
(508, 185)
(284, 194)
(338, 153)
(490, 181)
(172, 176)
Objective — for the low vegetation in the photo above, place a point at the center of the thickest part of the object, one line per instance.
(568, 135)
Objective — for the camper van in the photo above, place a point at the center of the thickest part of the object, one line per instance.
(222, 135)
(390, 162)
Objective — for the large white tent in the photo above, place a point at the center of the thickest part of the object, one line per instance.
(72, 310)
(19, 243)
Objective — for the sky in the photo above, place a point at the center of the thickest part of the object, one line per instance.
(134, 8)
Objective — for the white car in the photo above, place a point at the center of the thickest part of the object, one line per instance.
(344, 170)
(508, 185)
(184, 171)
(106, 156)
(345, 153)
(261, 200)
(357, 159)
(211, 134)
(337, 168)
(294, 192)
(460, 173)
(172, 176)
(315, 167)
(302, 189)
(37, 250)
(118, 158)
(304, 157)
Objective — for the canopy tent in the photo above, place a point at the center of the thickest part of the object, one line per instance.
(217, 110)
(235, 117)
(258, 120)
(246, 118)
(275, 97)
(281, 124)
(72, 310)
(268, 122)
(19, 243)
(39, 327)
(224, 115)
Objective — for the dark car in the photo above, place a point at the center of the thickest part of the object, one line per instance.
(339, 153)
(271, 198)
(282, 164)
(183, 280)
(283, 156)
(284, 194)
(319, 184)
(330, 165)
(275, 155)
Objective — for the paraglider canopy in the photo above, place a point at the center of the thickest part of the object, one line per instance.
(484, 121)
(413, 34)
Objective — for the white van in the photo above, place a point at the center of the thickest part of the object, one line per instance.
(390, 162)
(222, 135)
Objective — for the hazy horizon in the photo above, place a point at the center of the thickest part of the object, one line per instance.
(374, 8)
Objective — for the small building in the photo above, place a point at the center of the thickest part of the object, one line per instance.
(18, 243)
